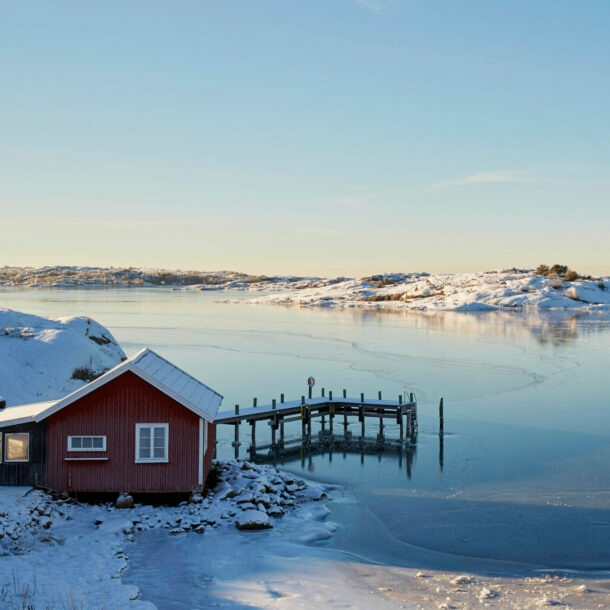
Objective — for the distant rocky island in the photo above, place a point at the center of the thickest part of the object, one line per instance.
(555, 287)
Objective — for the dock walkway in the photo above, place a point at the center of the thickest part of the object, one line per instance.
(403, 412)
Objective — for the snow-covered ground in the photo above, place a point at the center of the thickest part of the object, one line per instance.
(56, 554)
(506, 289)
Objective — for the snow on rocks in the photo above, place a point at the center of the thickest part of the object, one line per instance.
(253, 520)
(514, 289)
(44, 359)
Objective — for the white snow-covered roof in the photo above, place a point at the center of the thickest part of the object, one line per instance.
(23, 414)
(160, 373)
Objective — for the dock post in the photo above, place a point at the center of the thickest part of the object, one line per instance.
(322, 392)
(331, 416)
(441, 419)
(236, 442)
(400, 399)
(273, 404)
(253, 445)
(362, 420)
(344, 393)
(400, 423)
(411, 397)
(344, 422)
(323, 422)
(330, 395)
(282, 433)
(310, 392)
(273, 422)
(379, 394)
(254, 401)
(409, 427)
(361, 396)
(309, 421)
(282, 398)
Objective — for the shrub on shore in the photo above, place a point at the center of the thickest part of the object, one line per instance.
(557, 271)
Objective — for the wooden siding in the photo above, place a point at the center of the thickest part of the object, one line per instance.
(113, 410)
(25, 473)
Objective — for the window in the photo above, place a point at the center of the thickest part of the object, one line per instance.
(17, 447)
(152, 442)
(86, 443)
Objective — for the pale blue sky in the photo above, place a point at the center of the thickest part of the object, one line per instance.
(310, 137)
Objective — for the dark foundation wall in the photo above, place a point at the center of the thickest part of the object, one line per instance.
(29, 473)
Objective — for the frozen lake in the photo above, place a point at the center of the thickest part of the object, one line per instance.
(520, 480)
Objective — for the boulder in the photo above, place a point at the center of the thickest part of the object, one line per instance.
(124, 501)
(253, 520)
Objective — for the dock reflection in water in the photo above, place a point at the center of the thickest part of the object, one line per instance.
(339, 446)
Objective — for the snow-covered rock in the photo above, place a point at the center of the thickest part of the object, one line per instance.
(253, 520)
(45, 359)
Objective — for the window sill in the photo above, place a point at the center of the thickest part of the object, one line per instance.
(86, 459)
(152, 461)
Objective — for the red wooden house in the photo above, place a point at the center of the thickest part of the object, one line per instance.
(145, 426)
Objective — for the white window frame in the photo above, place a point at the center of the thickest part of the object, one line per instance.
(81, 436)
(151, 459)
(5, 447)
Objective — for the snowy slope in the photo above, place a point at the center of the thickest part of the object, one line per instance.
(39, 356)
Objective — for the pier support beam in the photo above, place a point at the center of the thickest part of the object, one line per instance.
(253, 443)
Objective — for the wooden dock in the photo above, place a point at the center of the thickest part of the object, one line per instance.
(325, 408)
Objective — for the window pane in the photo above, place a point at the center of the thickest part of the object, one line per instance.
(76, 442)
(159, 443)
(98, 442)
(87, 442)
(144, 443)
(17, 447)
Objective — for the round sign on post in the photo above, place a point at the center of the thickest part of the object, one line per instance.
(311, 382)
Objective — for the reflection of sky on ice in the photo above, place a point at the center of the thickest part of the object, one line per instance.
(523, 477)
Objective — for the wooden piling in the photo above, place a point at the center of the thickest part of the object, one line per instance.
(309, 421)
(236, 442)
(400, 423)
(441, 418)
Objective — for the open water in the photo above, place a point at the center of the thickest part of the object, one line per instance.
(519, 481)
